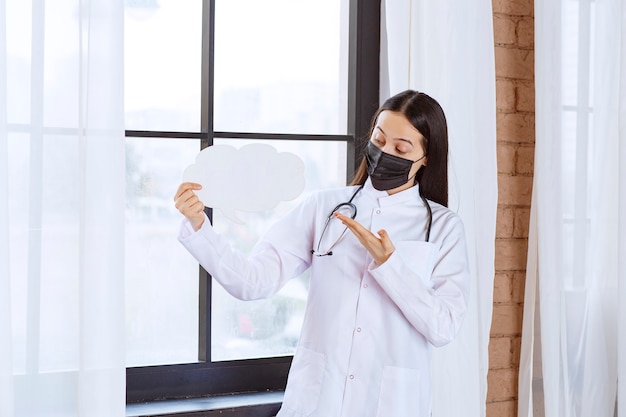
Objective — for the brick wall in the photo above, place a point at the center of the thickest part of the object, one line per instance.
(514, 55)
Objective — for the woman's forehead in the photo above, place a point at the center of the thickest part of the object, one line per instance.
(395, 125)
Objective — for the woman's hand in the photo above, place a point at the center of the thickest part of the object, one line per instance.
(188, 203)
(380, 248)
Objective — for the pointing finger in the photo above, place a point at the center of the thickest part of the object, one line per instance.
(353, 225)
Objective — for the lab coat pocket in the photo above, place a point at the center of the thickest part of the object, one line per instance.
(400, 393)
(419, 257)
(305, 382)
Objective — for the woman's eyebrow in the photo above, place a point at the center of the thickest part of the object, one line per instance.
(402, 139)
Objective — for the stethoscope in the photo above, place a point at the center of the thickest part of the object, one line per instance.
(350, 207)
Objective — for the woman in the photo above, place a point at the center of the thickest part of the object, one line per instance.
(377, 300)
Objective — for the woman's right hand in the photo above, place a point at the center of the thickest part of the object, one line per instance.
(188, 203)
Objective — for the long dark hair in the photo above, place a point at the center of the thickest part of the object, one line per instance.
(427, 116)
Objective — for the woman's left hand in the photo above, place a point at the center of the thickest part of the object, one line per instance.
(380, 248)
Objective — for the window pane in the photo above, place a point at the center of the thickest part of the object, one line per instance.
(161, 277)
(163, 46)
(281, 66)
(254, 329)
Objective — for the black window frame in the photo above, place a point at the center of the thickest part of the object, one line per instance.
(206, 378)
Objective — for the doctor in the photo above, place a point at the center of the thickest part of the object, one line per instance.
(389, 270)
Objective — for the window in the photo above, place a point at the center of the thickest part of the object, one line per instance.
(300, 76)
(577, 125)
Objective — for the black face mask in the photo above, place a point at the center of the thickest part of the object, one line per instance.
(385, 170)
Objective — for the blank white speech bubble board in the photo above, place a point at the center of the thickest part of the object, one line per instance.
(252, 178)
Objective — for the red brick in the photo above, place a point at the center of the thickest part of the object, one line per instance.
(518, 285)
(521, 221)
(506, 157)
(516, 349)
(514, 63)
(506, 408)
(505, 95)
(502, 385)
(514, 190)
(526, 33)
(504, 29)
(524, 163)
(513, 7)
(503, 288)
(506, 153)
(525, 94)
(505, 221)
(507, 320)
(500, 355)
(504, 352)
(511, 254)
(515, 127)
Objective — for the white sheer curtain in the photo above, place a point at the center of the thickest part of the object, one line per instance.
(573, 340)
(445, 49)
(61, 208)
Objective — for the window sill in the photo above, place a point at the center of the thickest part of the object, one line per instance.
(263, 404)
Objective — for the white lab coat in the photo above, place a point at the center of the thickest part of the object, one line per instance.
(364, 349)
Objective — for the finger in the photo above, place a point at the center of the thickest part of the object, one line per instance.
(186, 189)
(385, 248)
(191, 205)
(352, 224)
(197, 207)
(186, 198)
(191, 208)
(183, 199)
(369, 240)
(186, 186)
(340, 216)
(386, 241)
(193, 212)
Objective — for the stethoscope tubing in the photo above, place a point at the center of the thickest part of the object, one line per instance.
(353, 208)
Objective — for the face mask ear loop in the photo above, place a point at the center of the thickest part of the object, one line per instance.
(422, 167)
(418, 171)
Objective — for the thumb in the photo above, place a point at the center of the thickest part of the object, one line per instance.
(384, 239)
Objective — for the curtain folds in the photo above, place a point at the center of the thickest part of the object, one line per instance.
(573, 336)
(6, 386)
(61, 208)
(445, 49)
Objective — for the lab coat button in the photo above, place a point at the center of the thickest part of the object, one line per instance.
(351, 376)
(364, 285)
(358, 329)
(377, 211)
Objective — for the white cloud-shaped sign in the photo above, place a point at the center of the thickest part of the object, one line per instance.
(253, 178)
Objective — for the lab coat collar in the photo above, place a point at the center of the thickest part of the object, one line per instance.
(409, 195)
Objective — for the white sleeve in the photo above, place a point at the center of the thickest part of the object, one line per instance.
(430, 283)
(280, 255)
